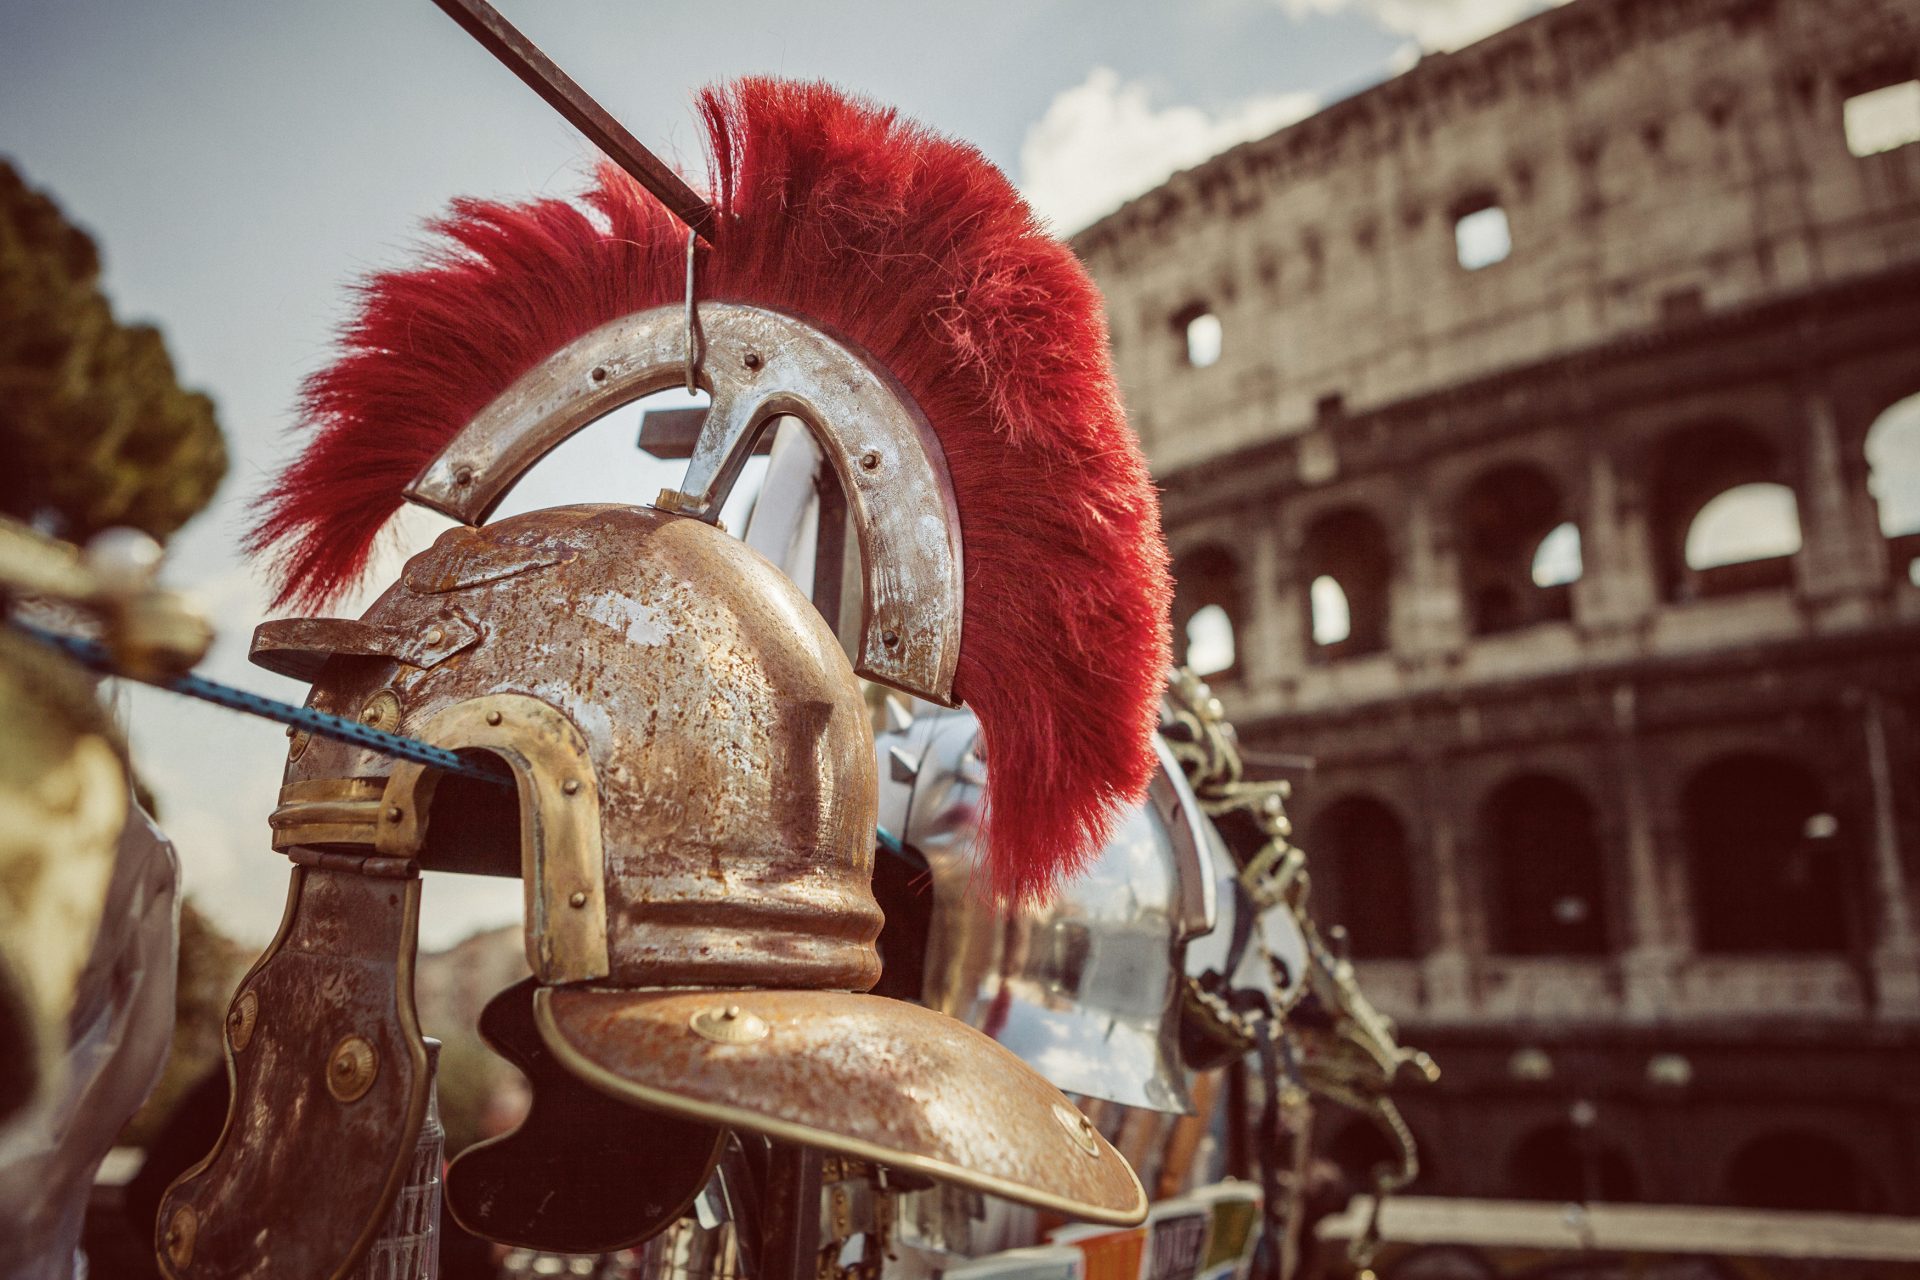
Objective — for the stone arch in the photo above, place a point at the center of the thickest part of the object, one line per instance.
(1769, 861)
(1543, 868)
(1503, 516)
(1566, 1162)
(1349, 547)
(1696, 466)
(1892, 447)
(1359, 854)
(1798, 1169)
(1209, 586)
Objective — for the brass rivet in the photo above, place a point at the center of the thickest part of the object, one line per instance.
(181, 1230)
(571, 786)
(579, 899)
(382, 710)
(889, 639)
(395, 813)
(240, 1020)
(493, 717)
(1079, 1128)
(464, 476)
(600, 373)
(870, 459)
(728, 1024)
(435, 635)
(351, 1069)
(752, 359)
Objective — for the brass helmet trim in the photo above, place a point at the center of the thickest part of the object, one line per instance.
(563, 866)
(962, 1109)
(758, 365)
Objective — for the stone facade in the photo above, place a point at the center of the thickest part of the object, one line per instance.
(1632, 854)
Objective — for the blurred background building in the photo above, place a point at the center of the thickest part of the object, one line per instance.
(1540, 433)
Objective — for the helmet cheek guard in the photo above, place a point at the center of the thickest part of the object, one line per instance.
(693, 812)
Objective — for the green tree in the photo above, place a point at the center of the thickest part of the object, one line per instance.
(94, 429)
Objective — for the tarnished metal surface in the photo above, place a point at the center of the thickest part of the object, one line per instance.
(878, 1079)
(584, 1172)
(724, 726)
(1087, 987)
(299, 647)
(327, 811)
(563, 862)
(329, 1081)
(758, 365)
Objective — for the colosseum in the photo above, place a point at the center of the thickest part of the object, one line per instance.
(1540, 437)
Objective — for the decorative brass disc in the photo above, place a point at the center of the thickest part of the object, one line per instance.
(1079, 1128)
(351, 1069)
(240, 1020)
(382, 710)
(178, 1240)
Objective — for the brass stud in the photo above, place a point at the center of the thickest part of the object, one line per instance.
(578, 899)
(493, 717)
(395, 813)
(435, 635)
(870, 459)
(571, 786)
(752, 359)
(240, 1020)
(351, 1069)
(728, 1024)
(382, 710)
(1079, 1128)
(891, 639)
(182, 1227)
(463, 477)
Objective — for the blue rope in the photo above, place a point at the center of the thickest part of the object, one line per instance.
(94, 656)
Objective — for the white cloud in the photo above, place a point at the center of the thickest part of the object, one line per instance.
(1105, 141)
(1435, 24)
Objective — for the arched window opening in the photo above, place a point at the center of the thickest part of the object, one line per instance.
(1566, 1162)
(1199, 334)
(1208, 600)
(1746, 523)
(1770, 860)
(1332, 620)
(1482, 236)
(1882, 119)
(1363, 877)
(1545, 875)
(1893, 461)
(1210, 641)
(1723, 519)
(1556, 561)
(1798, 1170)
(1506, 517)
(1347, 563)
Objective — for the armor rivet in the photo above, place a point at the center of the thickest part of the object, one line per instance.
(1079, 1128)
(181, 1229)
(395, 813)
(240, 1020)
(464, 476)
(571, 786)
(382, 709)
(435, 635)
(493, 717)
(351, 1069)
(579, 899)
(727, 1024)
(600, 373)
(870, 460)
(889, 638)
(752, 359)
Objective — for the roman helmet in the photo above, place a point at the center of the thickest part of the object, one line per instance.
(682, 771)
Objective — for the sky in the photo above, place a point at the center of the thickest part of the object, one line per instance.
(241, 163)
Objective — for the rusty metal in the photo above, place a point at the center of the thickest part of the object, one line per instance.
(335, 986)
(298, 647)
(758, 365)
(726, 755)
(563, 861)
(877, 1079)
(557, 89)
(583, 1172)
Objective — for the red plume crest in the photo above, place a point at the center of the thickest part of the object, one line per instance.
(919, 250)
